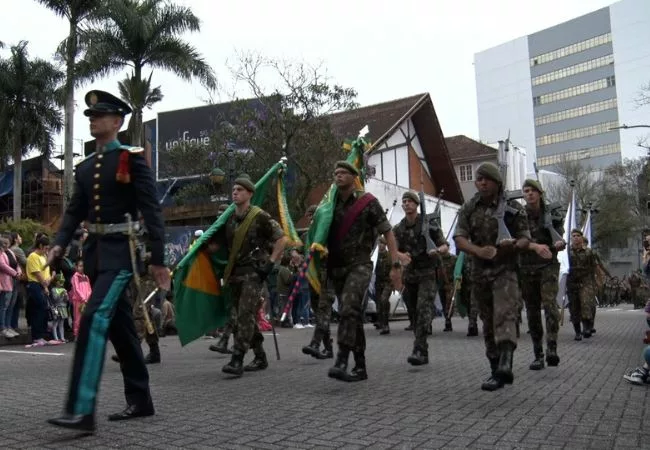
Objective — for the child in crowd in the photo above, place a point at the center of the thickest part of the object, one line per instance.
(79, 294)
(60, 308)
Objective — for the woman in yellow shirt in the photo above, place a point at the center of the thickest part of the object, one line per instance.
(38, 283)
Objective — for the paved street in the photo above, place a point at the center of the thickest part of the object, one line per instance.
(583, 403)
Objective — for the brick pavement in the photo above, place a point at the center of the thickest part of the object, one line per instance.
(583, 403)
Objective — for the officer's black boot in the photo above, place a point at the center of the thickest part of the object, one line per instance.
(235, 366)
(154, 354)
(385, 330)
(504, 369)
(448, 326)
(340, 369)
(222, 345)
(551, 354)
(538, 363)
(493, 383)
(419, 357)
(586, 329)
(576, 328)
(472, 330)
(328, 352)
(358, 373)
(258, 363)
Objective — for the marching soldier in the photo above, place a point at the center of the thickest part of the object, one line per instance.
(420, 276)
(494, 280)
(539, 270)
(111, 184)
(446, 287)
(383, 287)
(248, 234)
(466, 298)
(357, 220)
(581, 286)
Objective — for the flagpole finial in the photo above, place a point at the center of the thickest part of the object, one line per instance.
(364, 131)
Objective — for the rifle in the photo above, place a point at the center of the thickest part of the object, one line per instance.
(425, 220)
(548, 221)
(502, 207)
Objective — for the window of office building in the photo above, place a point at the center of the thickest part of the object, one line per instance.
(576, 133)
(571, 49)
(572, 70)
(576, 155)
(574, 91)
(465, 172)
(576, 112)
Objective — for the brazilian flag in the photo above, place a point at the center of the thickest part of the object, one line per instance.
(202, 303)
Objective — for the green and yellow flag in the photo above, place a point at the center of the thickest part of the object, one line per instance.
(202, 303)
(322, 220)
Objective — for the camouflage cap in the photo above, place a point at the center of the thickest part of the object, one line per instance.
(534, 184)
(347, 166)
(489, 170)
(411, 196)
(245, 182)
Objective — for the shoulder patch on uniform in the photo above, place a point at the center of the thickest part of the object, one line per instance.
(131, 149)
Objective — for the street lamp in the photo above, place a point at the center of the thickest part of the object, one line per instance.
(625, 127)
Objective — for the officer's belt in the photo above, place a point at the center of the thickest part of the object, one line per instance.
(111, 228)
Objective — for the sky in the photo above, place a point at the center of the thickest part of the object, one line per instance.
(384, 49)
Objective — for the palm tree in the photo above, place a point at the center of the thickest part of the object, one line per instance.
(139, 95)
(139, 33)
(77, 12)
(29, 113)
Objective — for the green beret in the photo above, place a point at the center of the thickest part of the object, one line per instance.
(534, 184)
(347, 166)
(245, 182)
(411, 196)
(489, 170)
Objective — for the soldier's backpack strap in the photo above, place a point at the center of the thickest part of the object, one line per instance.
(123, 174)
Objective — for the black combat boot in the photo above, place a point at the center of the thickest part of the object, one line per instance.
(551, 354)
(313, 349)
(504, 369)
(384, 330)
(472, 331)
(419, 357)
(154, 354)
(328, 352)
(235, 366)
(586, 329)
(576, 328)
(538, 363)
(222, 345)
(358, 373)
(340, 369)
(448, 326)
(430, 329)
(258, 363)
(493, 383)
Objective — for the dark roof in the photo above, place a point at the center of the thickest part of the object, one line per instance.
(384, 118)
(35, 164)
(463, 148)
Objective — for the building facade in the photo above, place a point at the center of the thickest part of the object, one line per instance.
(562, 92)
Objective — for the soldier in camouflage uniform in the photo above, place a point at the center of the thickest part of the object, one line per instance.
(322, 306)
(248, 234)
(446, 286)
(581, 284)
(538, 274)
(494, 280)
(465, 297)
(420, 276)
(383, 287)
(357, 220)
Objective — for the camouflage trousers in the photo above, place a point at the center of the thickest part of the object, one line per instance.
(497, 295)
(322, 306)
(582, 302)
(245, 293)
(383, 292)
(350, 284)
(465, 298)
(423, 295)
(539, 290)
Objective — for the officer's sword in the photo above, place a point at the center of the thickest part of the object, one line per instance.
(136, 275)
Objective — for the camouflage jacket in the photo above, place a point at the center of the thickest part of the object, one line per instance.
(583, 263)
(410, 240)
(357, 245)
(477, 223)
(255, 250)
(540, 235)
(382, 270)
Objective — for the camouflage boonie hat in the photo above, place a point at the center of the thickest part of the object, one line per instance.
(489, 170)
(411, 196)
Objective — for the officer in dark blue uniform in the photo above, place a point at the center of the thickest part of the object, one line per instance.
(109, 184)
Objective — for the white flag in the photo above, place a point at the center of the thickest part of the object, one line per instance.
(563, 256)
(450, 235)
(586, 229)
